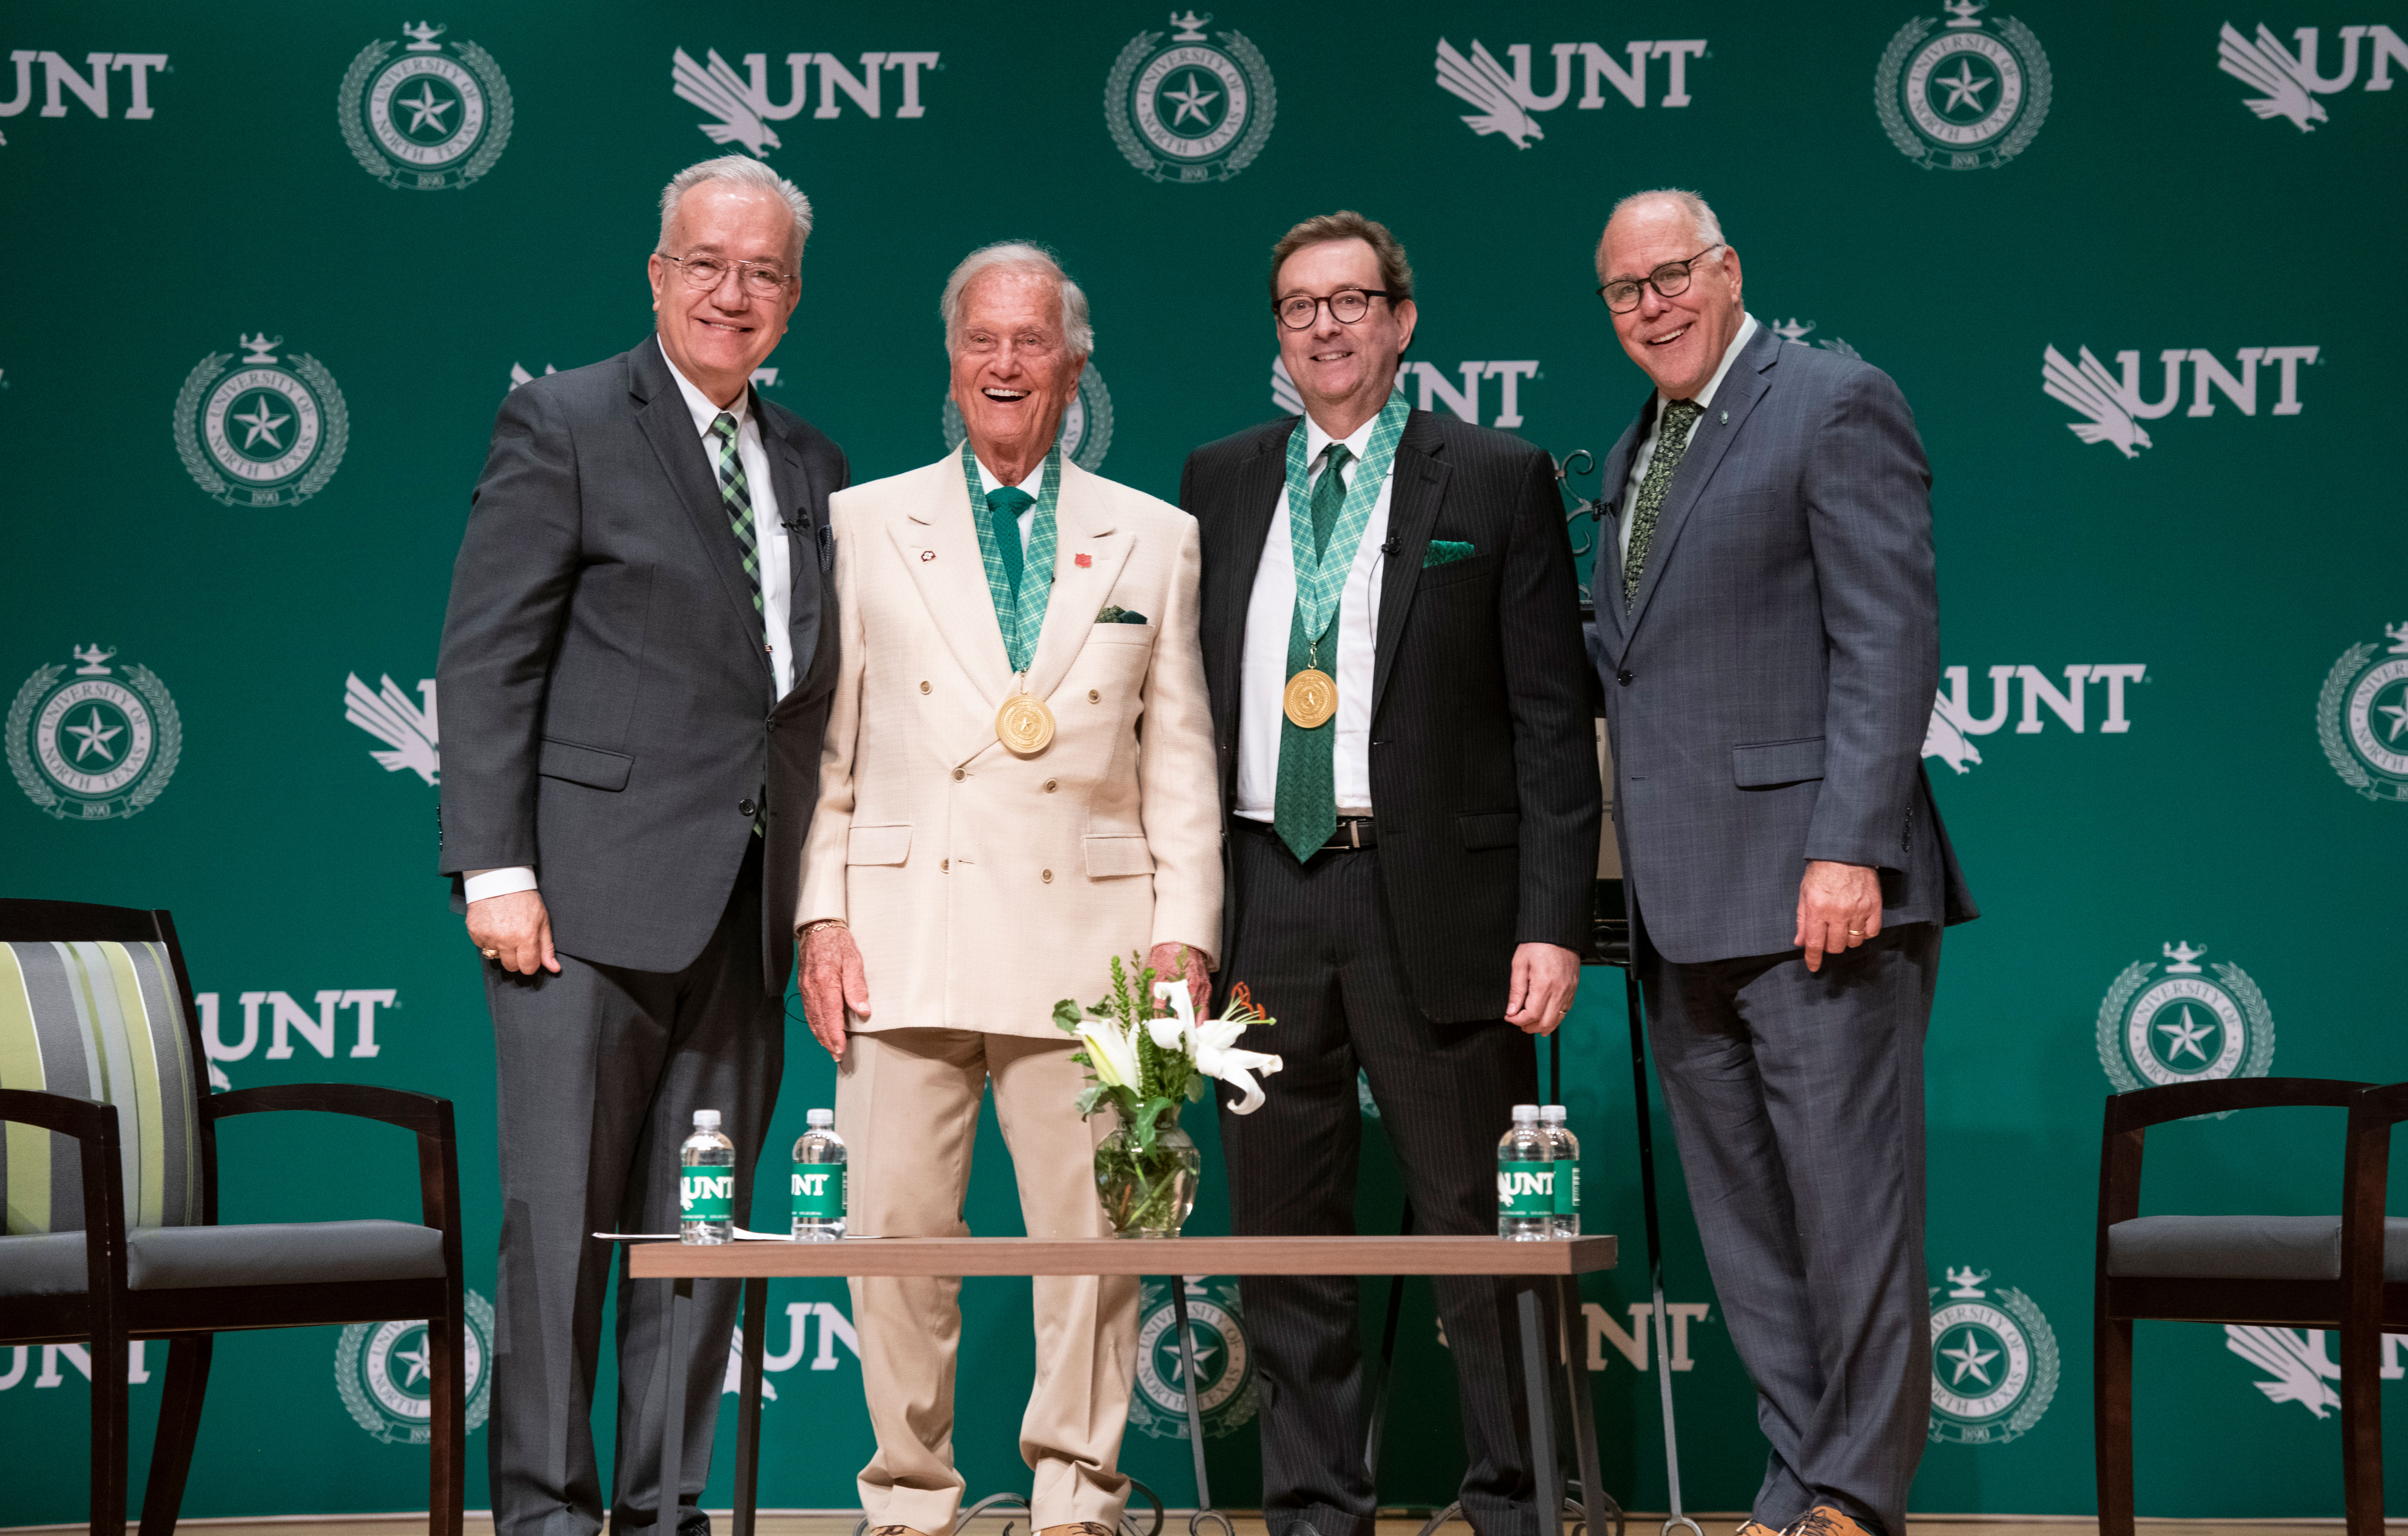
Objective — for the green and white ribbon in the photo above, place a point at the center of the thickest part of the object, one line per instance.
(1023, 619)
(1321, 575)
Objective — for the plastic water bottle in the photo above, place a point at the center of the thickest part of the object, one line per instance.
(707, 1184)
(1567, 1149)
(1525, 1180)
(819, 1179)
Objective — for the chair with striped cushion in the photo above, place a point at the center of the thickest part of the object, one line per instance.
(109, 1165)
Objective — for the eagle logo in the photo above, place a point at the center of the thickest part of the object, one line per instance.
(388, 715)
(1487, 85)
(2263, 63)
(719, 90)
(2098, 395)
(2295, 1360)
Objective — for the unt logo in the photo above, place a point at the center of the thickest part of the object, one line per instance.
(1510, 1186)
(703, 1188)
(812, 1185)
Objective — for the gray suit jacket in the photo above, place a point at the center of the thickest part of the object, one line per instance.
(1767, 686)
(609, 714)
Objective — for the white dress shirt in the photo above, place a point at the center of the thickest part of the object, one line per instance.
(769, 535)
(1646, 454)
(1270, 614)
(1034, 485)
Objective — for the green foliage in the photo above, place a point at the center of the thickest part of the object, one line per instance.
(1166, 1076)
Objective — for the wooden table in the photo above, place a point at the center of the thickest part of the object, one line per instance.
(1548, 1267)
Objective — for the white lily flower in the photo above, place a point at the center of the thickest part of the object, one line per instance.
(1213, 1044)
(1177, 1032)
(1112, 1051)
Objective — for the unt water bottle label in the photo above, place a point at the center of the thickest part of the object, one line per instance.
(1525, 1189)
(819, 1191)
(1568, 1189)
(706, 1193)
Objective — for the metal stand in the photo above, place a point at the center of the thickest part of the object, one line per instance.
(1654, 1241)
(1195, 1390)
(671, 1479)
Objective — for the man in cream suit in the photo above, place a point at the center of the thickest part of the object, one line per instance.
(1018, 784)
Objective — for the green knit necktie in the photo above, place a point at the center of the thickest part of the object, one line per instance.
(737, 498)
(1004, 504)
(1304, 806)
(1670, 443)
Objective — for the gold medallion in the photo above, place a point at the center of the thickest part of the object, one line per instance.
(1311, 698)
(1024, 725)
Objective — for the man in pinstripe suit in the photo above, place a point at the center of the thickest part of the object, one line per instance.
(1768, 634)
(1410, 863)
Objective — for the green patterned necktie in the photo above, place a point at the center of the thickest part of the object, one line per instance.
(1304, 804)
(1021, 584)
(737, 494)
(1670, 443)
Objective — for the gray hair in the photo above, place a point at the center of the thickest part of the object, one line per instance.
(1077, 332)
(1708, 229)
(739, 171)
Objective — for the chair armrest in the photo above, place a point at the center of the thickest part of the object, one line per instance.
(438, 1162)
(92, 1124)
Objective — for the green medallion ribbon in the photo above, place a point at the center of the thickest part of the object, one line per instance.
(1020, 587)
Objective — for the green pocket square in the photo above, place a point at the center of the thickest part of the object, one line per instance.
(1122, 615)
(1444, 552)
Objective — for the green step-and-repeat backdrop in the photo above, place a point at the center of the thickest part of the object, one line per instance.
(269, 271)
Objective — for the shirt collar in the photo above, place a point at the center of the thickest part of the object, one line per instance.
(988, 480)
(1316, 441)
(700, 405)
(1705, 396)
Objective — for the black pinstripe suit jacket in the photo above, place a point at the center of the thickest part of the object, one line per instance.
(1484, 757)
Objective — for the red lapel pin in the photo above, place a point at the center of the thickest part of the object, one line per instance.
(1083, 560)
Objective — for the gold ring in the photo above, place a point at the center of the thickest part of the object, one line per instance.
(493, 955)
(1856, 933)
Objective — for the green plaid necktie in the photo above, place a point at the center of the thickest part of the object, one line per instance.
(1304, 804)
(1670, 443)
(1004, 504)
(738, 498)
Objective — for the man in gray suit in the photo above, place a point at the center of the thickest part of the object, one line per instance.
(636, 673)
(1768, 640)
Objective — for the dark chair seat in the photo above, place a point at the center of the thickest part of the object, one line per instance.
(284, 1253)
(2242, 1248)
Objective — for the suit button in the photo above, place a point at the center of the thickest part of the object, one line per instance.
(957, 776)
(745, 808)
(943, 865)
(1045, 875)
(1623, 677)
(1049, 786)
(1094, 697)
(924, 687)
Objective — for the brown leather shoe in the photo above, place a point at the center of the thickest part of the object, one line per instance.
(1078, 1528)
(1824, 1520)
(896, 1530)
(1753, 1526)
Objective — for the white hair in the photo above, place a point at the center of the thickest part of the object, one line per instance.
(1077, 332)
(1708, 228)
(739, 171)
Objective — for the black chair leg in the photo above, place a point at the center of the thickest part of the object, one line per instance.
(447, 1420)
(179, 1426)
(109, 1429)
(2113, 1385)
(2361, 1430)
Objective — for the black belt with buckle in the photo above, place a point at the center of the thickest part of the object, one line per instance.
(1353, 833)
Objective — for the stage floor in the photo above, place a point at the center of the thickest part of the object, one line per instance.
(1640, 1525)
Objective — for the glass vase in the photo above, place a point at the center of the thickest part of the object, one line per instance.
(1147, 1192)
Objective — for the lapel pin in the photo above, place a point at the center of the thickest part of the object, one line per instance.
(1083, 561)
(1725, 418)
(928, 554)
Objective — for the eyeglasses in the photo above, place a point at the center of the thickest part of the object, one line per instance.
(1669, 280)
(759, 278)
(1298, 311)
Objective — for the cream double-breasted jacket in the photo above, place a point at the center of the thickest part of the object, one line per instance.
(983, 886)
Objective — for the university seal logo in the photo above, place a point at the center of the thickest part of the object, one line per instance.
(1224, 1364)
(1191, 107)
(97, 743)
(1963, 94)
(424, 115)
(261, 431)
(1086, 426)
(2179, 1023)
(2363, 716)
(1993, 1361)
(386, 1374)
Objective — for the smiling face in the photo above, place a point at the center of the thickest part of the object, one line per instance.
(1014, 373)
(717, 337)
(1678, 342)
(1343, 372)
